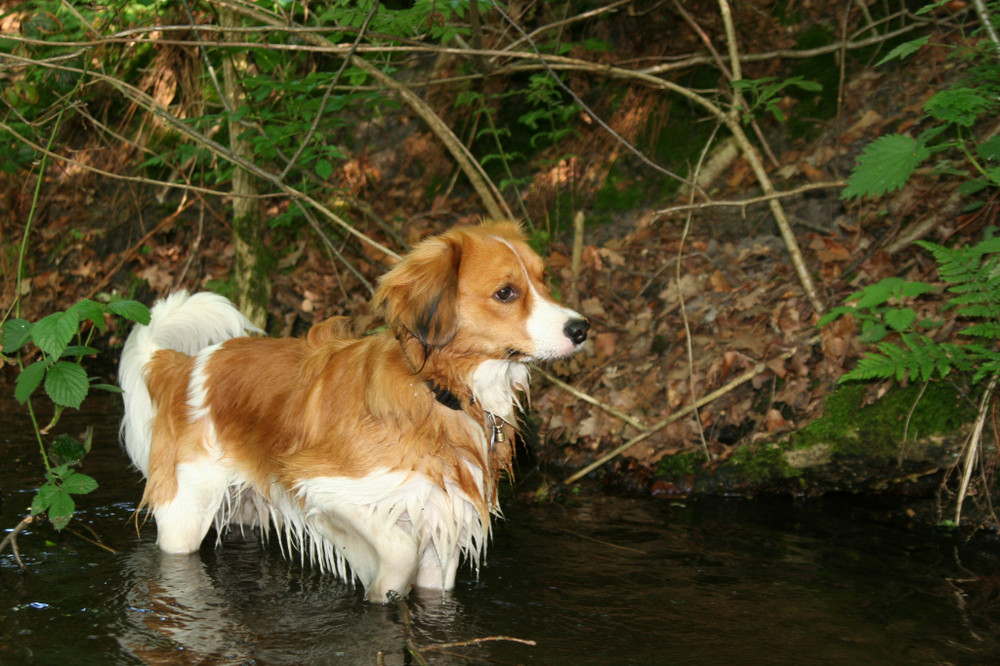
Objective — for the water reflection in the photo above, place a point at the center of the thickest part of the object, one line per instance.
(245, 604)
(593, 580)
(174, 613)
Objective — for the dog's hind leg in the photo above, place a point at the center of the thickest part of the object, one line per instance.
(183, 521)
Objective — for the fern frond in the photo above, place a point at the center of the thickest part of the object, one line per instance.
(985, 329)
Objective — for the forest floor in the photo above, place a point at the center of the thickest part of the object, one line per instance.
(679, 307)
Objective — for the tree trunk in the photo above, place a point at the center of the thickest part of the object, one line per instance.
(251, 261)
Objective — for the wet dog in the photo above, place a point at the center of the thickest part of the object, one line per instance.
(377, 457)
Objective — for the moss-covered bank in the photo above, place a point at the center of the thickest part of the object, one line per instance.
(886, 446)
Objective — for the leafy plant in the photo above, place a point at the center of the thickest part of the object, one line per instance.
(60, 371)
(888, 163)
(763, 94)
(971, 277)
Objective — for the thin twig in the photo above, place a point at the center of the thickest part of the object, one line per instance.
(477, 641)
(680, 294)
(718, 393)
(11, 538)
(586, 397)
(802, 189)
(95, 542)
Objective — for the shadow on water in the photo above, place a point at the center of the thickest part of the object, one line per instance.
(593, 580)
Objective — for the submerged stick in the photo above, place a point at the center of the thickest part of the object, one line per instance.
(12, 539)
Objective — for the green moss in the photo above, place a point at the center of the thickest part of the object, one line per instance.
(877, 430)
(762, 463)
(680, 464)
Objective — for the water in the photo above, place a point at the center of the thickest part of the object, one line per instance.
(591, 580)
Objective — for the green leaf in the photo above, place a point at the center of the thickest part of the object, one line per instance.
(88, 309)
(834, 314)
(29, 379)
(873, 333)
(61, 510)
(904, 50)
(67, 449)
(916, 288)
(79, 483)
(16, 333)
(324, 169)
(67, 384)
(885, 165)
(54, 332)
(80, 350)
(131, 310)
(900, 320)
(44, 497)
(989, 149)
(878, 293)
(958, 105)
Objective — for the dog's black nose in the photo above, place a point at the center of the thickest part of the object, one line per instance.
(576, 330)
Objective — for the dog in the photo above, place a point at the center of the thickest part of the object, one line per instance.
(376, 457)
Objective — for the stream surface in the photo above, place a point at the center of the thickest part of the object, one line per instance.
(592, 579)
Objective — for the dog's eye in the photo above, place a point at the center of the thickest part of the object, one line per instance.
(505, 294)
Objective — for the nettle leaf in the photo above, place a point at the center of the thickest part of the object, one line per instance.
(16, 334)
(131, 310)
(958, 105)
(29, 379)
(885, 165)
(67, 384)
(54, 332)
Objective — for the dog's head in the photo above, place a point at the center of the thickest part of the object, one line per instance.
(479, 291)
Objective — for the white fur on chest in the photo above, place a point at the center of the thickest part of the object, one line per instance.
(497, 385)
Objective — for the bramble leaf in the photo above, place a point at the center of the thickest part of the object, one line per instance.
(66, 384)
(54, 332)
(16, 333)
(131, 310)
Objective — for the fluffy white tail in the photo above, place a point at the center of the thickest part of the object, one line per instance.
(182, 322)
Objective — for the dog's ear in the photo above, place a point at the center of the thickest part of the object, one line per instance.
(420, 293)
